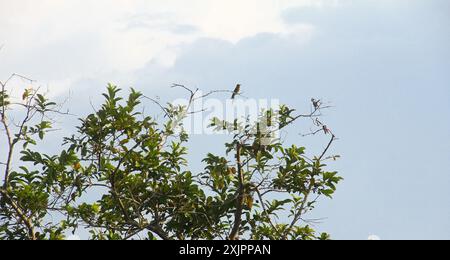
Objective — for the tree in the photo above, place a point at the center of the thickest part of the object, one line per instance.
(138, 172)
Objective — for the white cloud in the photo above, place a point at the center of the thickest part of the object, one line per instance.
(64, 40)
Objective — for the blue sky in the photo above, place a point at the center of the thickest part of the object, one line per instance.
(383, 64)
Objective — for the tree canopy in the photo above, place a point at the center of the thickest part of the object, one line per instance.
(124, 175)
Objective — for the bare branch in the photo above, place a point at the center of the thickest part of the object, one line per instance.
(159, 104)
(185, 88)
(218, 91)
(15, 75)
(333, 138)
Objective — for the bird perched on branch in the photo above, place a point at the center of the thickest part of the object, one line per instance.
(326, 130)
(316, 103)
(236, 91)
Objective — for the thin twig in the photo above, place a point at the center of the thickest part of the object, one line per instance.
(159, 104)
(333, 138)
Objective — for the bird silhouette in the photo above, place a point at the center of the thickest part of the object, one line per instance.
(236, 91)
(316, 103)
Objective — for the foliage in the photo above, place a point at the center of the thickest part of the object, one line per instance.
(136, 169)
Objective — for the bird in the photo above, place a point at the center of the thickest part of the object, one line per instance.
(236, 91)
(326, 130)
(316, 103)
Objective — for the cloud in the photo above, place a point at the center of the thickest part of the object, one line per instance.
(92, 37)
(407, 19)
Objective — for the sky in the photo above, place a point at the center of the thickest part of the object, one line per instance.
(383, 64)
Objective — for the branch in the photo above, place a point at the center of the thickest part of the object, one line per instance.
(240, 199)
(155, 228)
(27, 221)
(299, 213)
(333, 138)
(316, 112)
(159, 231)
(15, 75)
(11, 142)
(218, 91)
(159, 104)
(265, 210)
(185, 88)
(10, 151)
